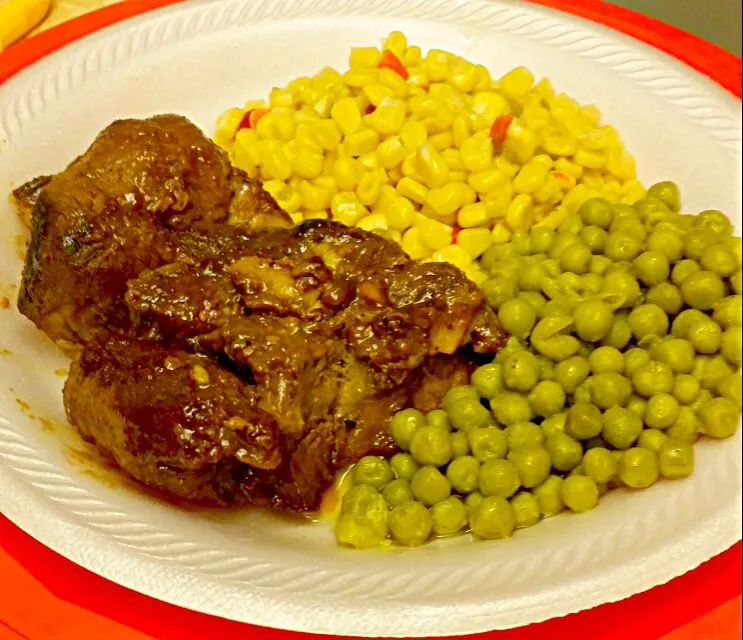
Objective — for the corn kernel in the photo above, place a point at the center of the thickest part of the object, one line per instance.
(372, 222)
(410, 167)
(535, 117)
(364, 58)
(441, 141)
(392, 80)
(593, 179)
(346, 208)
(544, 89)
(387, 195)
(359, 78)
(446, 199)
(412, 57)
(288, 199)
(389, 117)
(376, 92)
(434, 234)
(431, 166)
(460, 130)
(621, 164)
(489, 105)
(316, 215)
(347, 173)
(413, 133)
(419, 79)
(453, 159)
(423, 106)
(500, 234)
(572, 169)
(590, 159)
(369, 188)
(520, 142)
(516, 83)
(483, 81)
(473, 215)
(370, 161)
(506, 167)
(462, 75)
(474, 241)
(412, 189)
(550, 191)
(397, 43)
(413, 245)
(558, 144)
(395, 174)
(306, 162)
(486, 180)
(477, 151)
(437, 64)
(400, 213)
(575, 198)
(498, 200)
(280, 98)
(520, 214)
(314, 198)
(247, 151)
(612, 191)
(297, 217)
(476, 274)
(453, 254)
(228, 122)
(469, 195)
(458, 176)
(441, 120)
(391, 152)
(554, 219)
(564, 180)
(275, 163)
(390, 234)
(360, 142)
(531, 177)
(326, 181)
(347, 115)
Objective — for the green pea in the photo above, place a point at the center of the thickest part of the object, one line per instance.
(438, 418)
(554, 424)
(716, 221)
(678, 354)
(526, 510)
(599, 265)
(705, 395)
(686, 428)
(403, 425)
(605, 359)
(651, 439)
(720, 418)
(472, 500)
(730, 388)
(576, 258)
(468, 413)
(729, 312)
(610, 389)
(463, 474)
(533, 465)
(652, 268)
(513, 344)
(523, 435)
(487, 443)
(668, 242)
(591, 284)
(600, 465)
(579, 493)
(621, 245)
(557, 348)
(498, 478)
(686, 388)
(637, 405)
(705, 336)
(373, 471)
(629, 226)
(547, 398)
(666, 296)
(593, 320)
(449, 516)
(583, 421)
(431, 445)
(668, 193)
(560, 243)
(639, 468)
(621, 427)
(594, 238)
(531, 277)
(697, 241)
(509, 407)
(736, 282)
(430, 486)
(652, 378)
(520, 240)
(521, 371)
(662, 411)
(569, 280)
(460, 444)
(493, 518)
(363, 520)
(551, 267)
(682, 270)
(620, 333)
(458, 392)
(597, 211)
(541, 239)
(648, 206)
(731, 345)
(718, 259)
(648, 320)
(584, 392)
(564, 451)
(499, 289)
(685, 320)
(676, 459)
(490, 257)
(397, 492)
(517, 317)
(634, 359)
(702, 290)
(549, 496)
(410, 523)
(712, 370)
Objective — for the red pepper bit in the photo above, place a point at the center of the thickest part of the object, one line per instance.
(455, 233)
(390, 61)
(251, 118)
(370, 109)
(499, 131)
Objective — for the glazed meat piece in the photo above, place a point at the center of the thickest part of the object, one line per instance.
(119, 209)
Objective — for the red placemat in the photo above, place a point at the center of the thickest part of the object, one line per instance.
(43, 596)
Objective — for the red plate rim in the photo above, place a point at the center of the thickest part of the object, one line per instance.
(681, 597)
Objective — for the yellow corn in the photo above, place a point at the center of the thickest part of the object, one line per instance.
(483, 81)
(550, 192)
(506, 167)
(562, 107)
(346, 208)
(275, 163)
(593, 179)
(544, 89)
(474, 241)
(489, 105)
(390, 234)
(498, 200)
(453, 254)
(392, 80)
(520, 142)
(475, 274)
(434, 234)
(531, 177)
(372, 222)
(570, 168)
(410, 167)
(621, 164)
(346, 114)
(477, 151)
(516, 83)
(369, 188)
(364, 58)
(316, 215)
(377, 92)
(389, 116)
(247, 151)
(387, 195)
(469, 195)
(413, 245)
(554, 219)
(288, 199)
(446, 199)
(391, 152)
(400, 213)
(460, 130)
(307, 162)
(612, 191)
(360, 142)
(422, 106)
(431, 166)
(441, 120)
(500, 234)
(326, 182)
(314, 198)
(413, 133)
(589, 159)
(228, 122)
(557, 144)
(358, 78)
(418, 78)
(437, 65)
(486, 180)
(473, 215)
(297, 217)
(412, 57)
(397, 43)
(369, 161)
(412, 189)
(594, 140)
(462, 75)
(453, 159)
(520, 214)
(575, 198)
(347, 173)
(280, 98)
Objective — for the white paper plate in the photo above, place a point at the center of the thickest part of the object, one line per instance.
(197, 59)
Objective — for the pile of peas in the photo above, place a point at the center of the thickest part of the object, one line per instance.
(625, 348)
